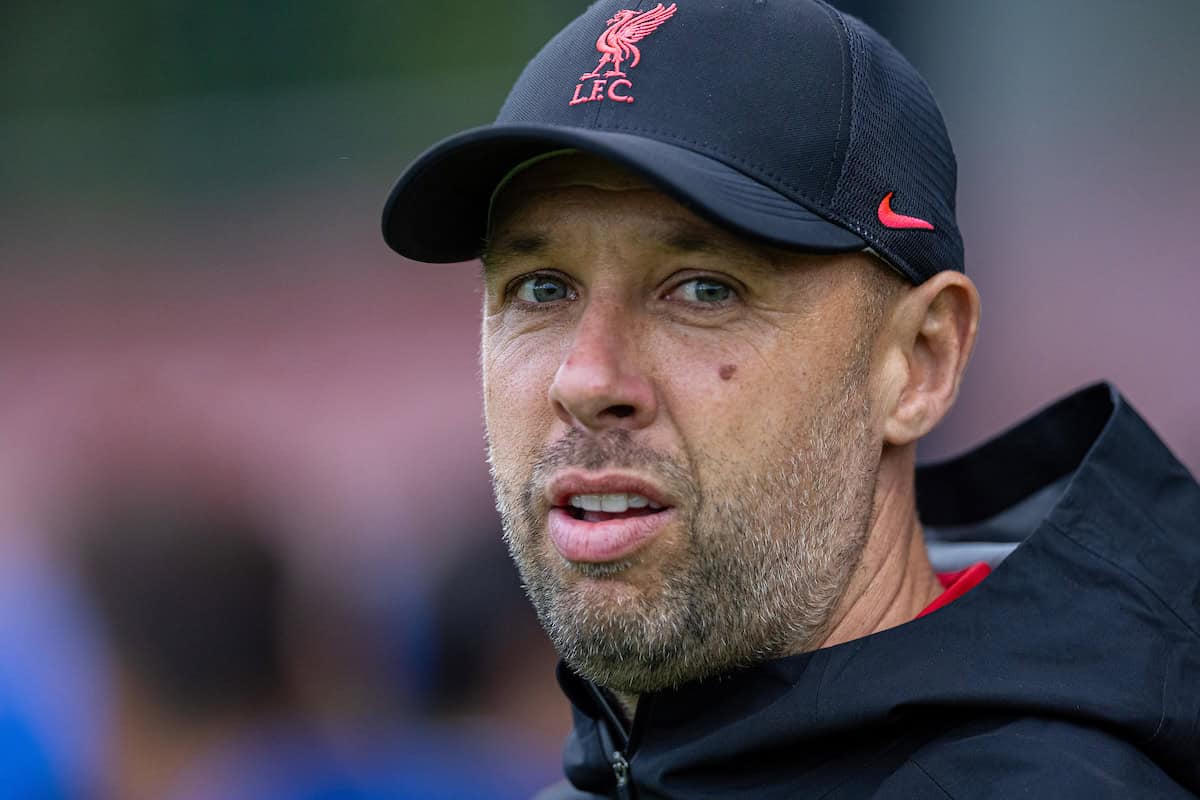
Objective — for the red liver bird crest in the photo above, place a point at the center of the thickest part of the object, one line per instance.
(618, 43)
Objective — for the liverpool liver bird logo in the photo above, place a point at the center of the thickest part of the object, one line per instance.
(618, 43)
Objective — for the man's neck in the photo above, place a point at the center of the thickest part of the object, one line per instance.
(894, 580)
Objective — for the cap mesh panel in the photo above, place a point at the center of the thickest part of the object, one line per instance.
(898, 143)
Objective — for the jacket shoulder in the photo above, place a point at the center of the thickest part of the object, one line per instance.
(1035, 757)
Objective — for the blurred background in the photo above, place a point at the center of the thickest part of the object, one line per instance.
(202, 332)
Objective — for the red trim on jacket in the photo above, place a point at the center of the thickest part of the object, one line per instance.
(956, 585)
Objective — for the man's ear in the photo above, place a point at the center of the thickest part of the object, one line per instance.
(927, 339)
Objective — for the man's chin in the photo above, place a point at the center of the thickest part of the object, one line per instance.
(617, 626)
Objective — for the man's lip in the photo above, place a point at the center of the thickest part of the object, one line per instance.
(607, 541)
(575, 482)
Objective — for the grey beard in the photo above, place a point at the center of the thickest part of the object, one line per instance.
(768, 555)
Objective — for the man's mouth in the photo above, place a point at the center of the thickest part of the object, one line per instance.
(604, 518)
(604, 507)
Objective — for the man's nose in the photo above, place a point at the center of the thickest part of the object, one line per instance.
(599, 384)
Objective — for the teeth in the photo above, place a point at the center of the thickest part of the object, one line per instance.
(611, 503)
(588, 502)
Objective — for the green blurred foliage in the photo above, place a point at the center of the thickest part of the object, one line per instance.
(78, 54)
(145, 104)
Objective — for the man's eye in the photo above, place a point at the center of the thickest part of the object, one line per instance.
(542, 289)
(705, 291)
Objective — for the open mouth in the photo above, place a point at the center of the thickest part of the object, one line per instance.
(605, 507)
(605, 518)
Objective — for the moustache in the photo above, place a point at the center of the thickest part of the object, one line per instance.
(612, 449)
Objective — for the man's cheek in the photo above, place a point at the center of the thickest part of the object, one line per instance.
(503, 370)
(516, 399)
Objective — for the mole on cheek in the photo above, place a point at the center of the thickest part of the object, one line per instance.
(726, 372)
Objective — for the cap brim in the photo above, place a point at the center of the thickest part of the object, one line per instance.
(437, 212)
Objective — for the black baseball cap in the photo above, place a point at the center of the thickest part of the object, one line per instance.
(785, 121)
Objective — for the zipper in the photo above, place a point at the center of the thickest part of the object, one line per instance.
(618, 762)
(609, 728)
(617, 739)
(620, 768)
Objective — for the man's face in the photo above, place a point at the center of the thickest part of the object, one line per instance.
(679, 427)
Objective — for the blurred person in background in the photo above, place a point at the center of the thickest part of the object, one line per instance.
(233, 678)
(724, 300)
(192, 598)
(481, 724)
(457, 681)
(489, 656)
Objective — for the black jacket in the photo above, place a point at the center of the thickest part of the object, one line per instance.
(1073, 671)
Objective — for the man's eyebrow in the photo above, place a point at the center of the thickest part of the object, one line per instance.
(680, 237)
(527, 244)
(690, 239)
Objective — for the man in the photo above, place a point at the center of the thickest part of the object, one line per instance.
(724, 299)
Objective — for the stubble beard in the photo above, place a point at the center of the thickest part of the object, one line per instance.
(767, 553)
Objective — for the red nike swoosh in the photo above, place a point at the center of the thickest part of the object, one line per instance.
(891, 219)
